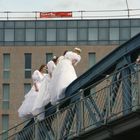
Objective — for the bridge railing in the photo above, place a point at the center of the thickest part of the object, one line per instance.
(107, 100)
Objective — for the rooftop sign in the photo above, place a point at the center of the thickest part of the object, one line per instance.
(55, 14)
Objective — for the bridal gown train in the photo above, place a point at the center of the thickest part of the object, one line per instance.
(25, 109)
(42, 99)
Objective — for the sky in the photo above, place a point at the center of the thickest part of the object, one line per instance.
(65, 5)
(68, 5)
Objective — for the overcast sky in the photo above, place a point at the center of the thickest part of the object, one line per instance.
(64, 5)
(74, 5)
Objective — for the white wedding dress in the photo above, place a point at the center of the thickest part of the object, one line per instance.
(43, 97)
(63, 75)
(25, 109)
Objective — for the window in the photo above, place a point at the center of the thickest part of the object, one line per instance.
(135, 31)
(124, 34)
(1, 34)
(49, 56)
(6, 96)
(30, 34)
(19, 24)
(135, 22)
(5, 125)
(103, 34)
(40, 35)
(40, 24)
(2, 24)
(27, 88)
(19, 34)
(28, 65)
(82, 34)
(114, 34)
(61, 35)
(9, 34)
(92, 59)
(93, 23)
(114, 23)
(6, 66)
(9, 24)
(72, 34)
(124, 23)
(51, 34)
(30, 24)
(82, 23)
(72, 24)
(92, 34)
(103, 23)
(51, 24)
(61, 24)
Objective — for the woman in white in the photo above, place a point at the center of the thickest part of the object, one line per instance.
(25, 109)
(63, 75)
(51, 65)
(43, 97)
(62, 56)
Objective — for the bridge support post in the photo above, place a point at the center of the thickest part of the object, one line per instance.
(36, 130)
(126, 92)
(80, 113)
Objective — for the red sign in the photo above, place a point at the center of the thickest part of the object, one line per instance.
(55, 14)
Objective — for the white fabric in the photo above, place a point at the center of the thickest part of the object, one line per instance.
(63, 75)
(60, 58)
(25, 109)
(42, 99)
(51, 66)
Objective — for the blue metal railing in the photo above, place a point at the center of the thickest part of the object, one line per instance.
(113, 97)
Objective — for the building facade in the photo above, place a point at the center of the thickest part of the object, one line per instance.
(25, 45)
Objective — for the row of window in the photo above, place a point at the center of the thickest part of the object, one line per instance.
(62, 43)
(28, 63)
(81, 32)
(71, 23)
(66, 35)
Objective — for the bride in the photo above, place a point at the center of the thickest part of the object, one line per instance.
(63, 75)
(43, 97)
(38, 76)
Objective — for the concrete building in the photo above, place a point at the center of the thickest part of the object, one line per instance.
(25, 44)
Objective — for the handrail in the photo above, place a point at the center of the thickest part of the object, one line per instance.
(100, 97)
(105, 65)
(83, 14)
